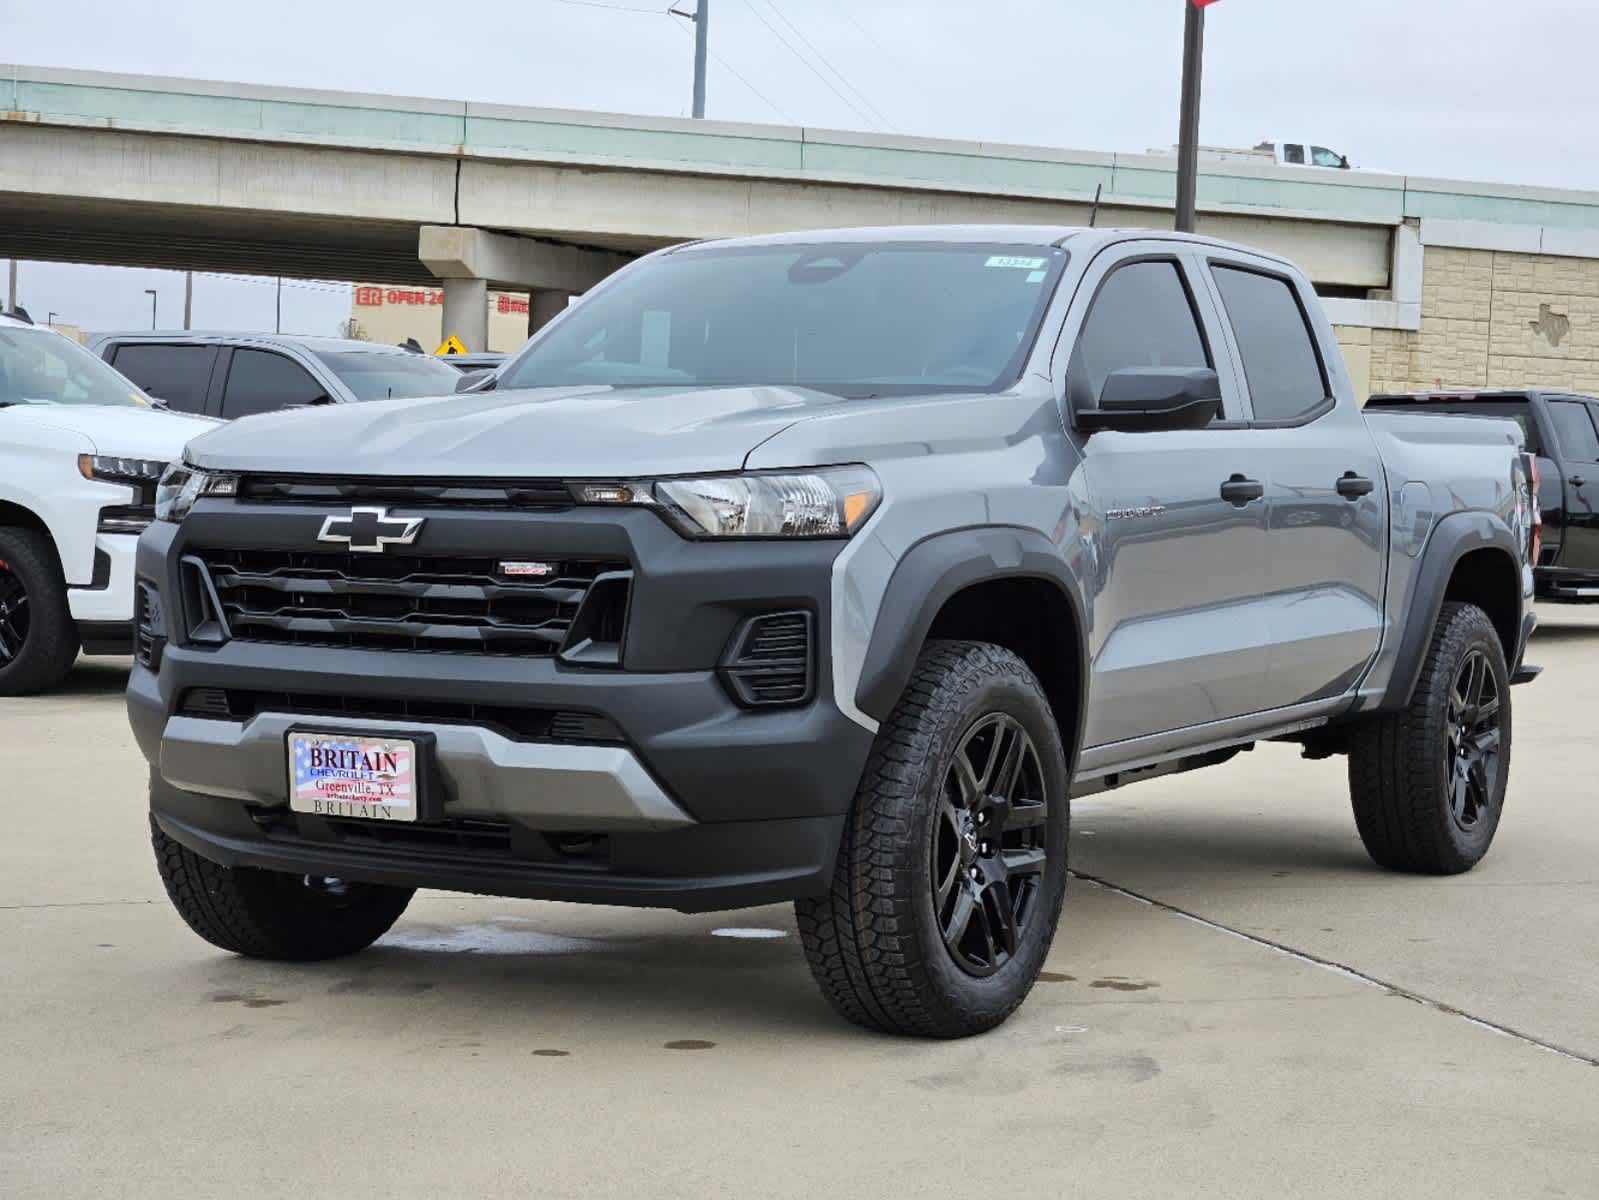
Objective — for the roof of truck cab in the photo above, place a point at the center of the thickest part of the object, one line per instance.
(1076, 236)
(320, 345)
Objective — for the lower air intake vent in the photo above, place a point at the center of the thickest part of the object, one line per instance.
(769, 661)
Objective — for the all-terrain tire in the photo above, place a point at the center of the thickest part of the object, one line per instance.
(269, 914)
(30, 575)
(1403, 766)
(876, 941)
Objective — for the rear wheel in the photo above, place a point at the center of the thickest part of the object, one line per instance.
(950, 878)
(270, 914)
(1428, 782)
(38, 643)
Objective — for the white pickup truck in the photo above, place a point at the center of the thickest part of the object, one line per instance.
(81, 450)
(1282, 154)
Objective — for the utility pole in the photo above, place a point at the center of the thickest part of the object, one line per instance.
(11, 305)
(702, 45)
(277, 324)
(188, 297)
(150, 292)
(1188, 122)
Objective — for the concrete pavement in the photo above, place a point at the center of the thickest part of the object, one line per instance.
(1189, 1046)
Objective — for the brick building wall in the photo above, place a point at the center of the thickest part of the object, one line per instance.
(1489, 318)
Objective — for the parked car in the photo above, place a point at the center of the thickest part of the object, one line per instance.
(232, 375)
(1562, 430)
(81, 450)
(826, 567)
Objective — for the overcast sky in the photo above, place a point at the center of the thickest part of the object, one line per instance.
(1476, 89)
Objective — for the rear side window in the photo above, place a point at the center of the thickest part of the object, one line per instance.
(1294, 154)
(1142, 317)
(1280, 361)
(179, 375)
(1574, 428)
(260, 381)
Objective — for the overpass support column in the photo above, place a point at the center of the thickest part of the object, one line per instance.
(544, 305)
(470, 260)
(466, 311)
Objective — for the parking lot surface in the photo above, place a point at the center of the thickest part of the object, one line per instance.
(1237, 1004)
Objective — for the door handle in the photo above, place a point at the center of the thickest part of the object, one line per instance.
(1577, 481)
(1240, 491)
(1353, 487)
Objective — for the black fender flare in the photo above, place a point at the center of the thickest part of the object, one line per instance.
(1454, 537)
(936, 568)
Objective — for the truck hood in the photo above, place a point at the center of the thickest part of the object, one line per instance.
(127, 432)
(589, 432)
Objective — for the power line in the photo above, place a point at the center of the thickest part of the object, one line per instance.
(843, 11)
(809, 66)
(628, 8)
(811, 46)
(733, 71)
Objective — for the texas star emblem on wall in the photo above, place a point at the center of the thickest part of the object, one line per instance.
(370, 530)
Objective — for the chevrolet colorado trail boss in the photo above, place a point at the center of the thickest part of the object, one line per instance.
(824, 567)
(81, 450)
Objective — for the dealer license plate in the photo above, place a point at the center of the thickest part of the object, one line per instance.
(341, 775)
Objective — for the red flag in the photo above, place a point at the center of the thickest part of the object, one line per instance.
(1203, 3)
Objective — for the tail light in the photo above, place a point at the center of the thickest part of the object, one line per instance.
(1533, 522)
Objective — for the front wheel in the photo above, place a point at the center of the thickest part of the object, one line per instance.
(270, 914)
(1428, 782)
(949, 882)
(38, 643)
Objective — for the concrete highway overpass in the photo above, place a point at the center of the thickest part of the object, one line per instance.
(185, 174)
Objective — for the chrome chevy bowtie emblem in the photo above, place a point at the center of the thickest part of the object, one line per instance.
(370, 530)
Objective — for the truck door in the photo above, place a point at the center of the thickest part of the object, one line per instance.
(1175, 637)
(1573, 422)
(1326, 545)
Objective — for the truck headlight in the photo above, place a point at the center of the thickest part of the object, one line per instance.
(112, 468)
(182, 485)
(827, 502)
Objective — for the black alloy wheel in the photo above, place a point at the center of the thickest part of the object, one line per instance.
(988, 844)
(1472, 742)
(15, 615)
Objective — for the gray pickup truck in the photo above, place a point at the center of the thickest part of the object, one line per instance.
(827, 568)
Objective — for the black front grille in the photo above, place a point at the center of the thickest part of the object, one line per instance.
(519, 724)
(391, 602)
(538, 495)
(769, 661)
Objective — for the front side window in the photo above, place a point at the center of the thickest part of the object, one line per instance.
(385, 375)
(1141, 317)
(1280, 361)
(260, 381)
(1324, 157)
(1574, 428)
(41, 367)
(179, 375)
(855, 319)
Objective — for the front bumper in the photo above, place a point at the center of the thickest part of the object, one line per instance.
(108, 598)
(693, 802)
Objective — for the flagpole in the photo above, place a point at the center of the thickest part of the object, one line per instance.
(1188, 123)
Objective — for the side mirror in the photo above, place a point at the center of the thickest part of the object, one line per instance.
(1147, 399)
(473, 381)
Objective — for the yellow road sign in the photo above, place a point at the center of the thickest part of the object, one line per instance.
(451, 345)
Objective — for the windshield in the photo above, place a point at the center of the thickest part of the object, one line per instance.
(855, 319)
(376, 375)
(40, 367)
